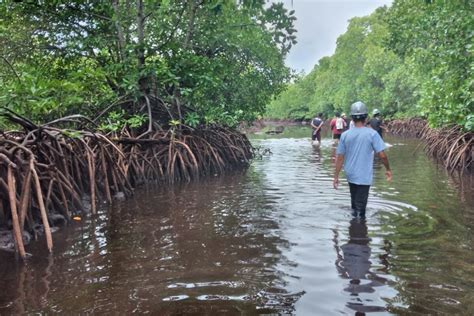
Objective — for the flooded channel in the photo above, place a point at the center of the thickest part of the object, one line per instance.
(273, 239)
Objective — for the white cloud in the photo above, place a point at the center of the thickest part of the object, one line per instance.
(319, 24)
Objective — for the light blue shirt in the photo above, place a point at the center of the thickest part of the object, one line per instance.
(358, 146)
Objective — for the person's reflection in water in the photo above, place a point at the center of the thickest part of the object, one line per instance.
(316, 154)
(353, 262)
(333, 154)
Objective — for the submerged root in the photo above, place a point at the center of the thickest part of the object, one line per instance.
(46, 172)
(42, 175)
(449, 145)
(413, 127)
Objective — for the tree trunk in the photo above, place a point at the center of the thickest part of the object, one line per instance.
(140, 34)
(193, 6)
(143, 80)
(118, 27)
(192, 14)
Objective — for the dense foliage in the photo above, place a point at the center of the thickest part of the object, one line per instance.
(209, 61)
(415, 58)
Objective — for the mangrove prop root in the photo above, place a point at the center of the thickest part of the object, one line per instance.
(47, 171)
(17, 233)
(449, 145)
(44, 216)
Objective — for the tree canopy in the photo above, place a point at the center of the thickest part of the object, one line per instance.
(414, 58)
(209, 61)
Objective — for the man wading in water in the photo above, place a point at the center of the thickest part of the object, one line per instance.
(376, 122)
(316, 124)
(355, 150)
(337, 126)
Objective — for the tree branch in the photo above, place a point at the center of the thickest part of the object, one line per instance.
(11, 67)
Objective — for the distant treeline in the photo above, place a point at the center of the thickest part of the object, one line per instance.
(415, 58)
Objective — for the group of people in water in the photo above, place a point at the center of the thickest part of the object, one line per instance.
(341, 123)
(358, 141)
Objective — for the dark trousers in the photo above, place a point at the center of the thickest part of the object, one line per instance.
(316, 135)
(359, 196)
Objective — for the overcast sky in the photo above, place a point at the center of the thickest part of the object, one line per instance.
(319, 24)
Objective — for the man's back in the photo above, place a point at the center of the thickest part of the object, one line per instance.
(317, 121)
(358, 146)
(376, 123)
(333, 125)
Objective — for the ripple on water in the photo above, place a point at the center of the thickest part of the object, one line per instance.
(175, 298)
(230, 284)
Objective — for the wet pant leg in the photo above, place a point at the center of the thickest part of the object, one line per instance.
(316, 135)
(353, 189)
(359, 197)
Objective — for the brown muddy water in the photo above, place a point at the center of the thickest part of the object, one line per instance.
(274, 239)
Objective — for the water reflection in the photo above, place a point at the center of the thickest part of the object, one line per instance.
(316, 156)
(354, 264)
(165, 251)
(24, 285)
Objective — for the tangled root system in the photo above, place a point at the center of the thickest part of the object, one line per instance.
(451, 146)
(47, 171)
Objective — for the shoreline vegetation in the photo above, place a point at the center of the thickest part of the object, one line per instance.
(49, 174)
(410, 59)
(451, 146)
(164, 83)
